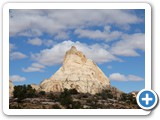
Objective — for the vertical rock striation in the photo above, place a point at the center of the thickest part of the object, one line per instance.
(76, 72)
(11, 88)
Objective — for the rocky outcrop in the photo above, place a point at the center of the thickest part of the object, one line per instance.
(11, 88)
(76, 72)
(36, 87)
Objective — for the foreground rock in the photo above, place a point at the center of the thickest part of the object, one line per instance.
(76, 72)
(74, 100)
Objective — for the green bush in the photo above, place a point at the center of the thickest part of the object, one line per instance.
(123, 97)
(65, 98)
(22, 91)
(128, 97)
(88, 100)
(42, 93)
(106, 94)
(53, 96)
(73, 91)
(76, 105)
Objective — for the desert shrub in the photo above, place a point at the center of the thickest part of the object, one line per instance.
(53, 96)
(123, 97)
(134, 101)
(76, 105)
(42, 93)
(22, 91)
(128, 97)
(97, 94)
(106, 94)
(73, 91)
(65, 98)
(56, 106)
(19, 92)
(30, 93)
(88, 100)
(96, 105)
(84, 95)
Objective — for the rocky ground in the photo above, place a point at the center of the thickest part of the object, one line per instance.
(73, 100)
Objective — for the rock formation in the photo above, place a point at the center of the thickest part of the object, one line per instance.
(11, 88)
(36, 87)
(76, 72)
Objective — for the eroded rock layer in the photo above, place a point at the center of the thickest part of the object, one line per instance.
(76, 72)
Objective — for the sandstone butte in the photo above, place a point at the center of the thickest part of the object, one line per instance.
(76, 72)
(11, 88)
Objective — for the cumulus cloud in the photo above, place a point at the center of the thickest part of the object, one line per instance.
(55, 55)
(11, 47)
(35, 67)
(121, 77)
(128, 45)
(106, 34)
(117, 77)
(61, 35)
(35, 41)
(17, 55)
(38, 42)
(48, 43)
(17, 78)
(31, 22)
(134, 78)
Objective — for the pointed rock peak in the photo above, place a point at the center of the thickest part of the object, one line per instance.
(77, 72)
(73, 56)
(72, 50)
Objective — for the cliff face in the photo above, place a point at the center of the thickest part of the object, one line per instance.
(11, 88)
(77, 72)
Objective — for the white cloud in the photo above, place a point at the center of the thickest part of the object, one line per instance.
(61, 35)
(17, 55)
(35, 41)
(128, 45)
(17, 78)
(35, 67)
(38, 42)
(134, 78)
(121, 77)
(11, 47)
(106, 34)
(56, 54)
(37, 22)
(30, 33)
(48, 43)
(117, 77)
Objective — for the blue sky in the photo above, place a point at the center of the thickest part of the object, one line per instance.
(114, 39)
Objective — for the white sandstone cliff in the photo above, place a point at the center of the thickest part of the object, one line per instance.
(77, 72)
(11, 88)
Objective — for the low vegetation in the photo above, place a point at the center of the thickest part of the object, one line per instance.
(22, 91)
(25, 97)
